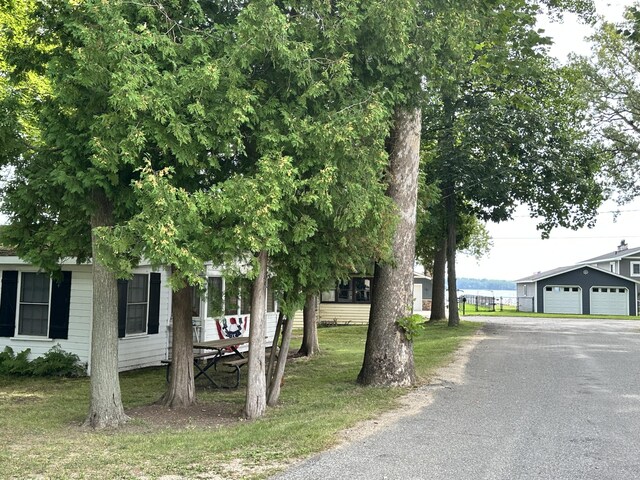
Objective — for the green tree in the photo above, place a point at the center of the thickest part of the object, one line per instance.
(73, 176)
(505, 126)
(290, 172)
(612, 85)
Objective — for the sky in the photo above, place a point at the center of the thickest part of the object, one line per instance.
(518, 251)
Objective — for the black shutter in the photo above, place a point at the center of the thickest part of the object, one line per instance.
(153, 321)
(60, 302)
(8, 299)
(123, 286)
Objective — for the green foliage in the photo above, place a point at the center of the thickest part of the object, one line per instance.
(412, 325)
(54, 363)
(15, 364)
(611, 85)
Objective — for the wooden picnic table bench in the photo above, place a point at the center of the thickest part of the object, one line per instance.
(217, 354)
(217, 350)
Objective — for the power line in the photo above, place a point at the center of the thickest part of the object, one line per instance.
(615, 237)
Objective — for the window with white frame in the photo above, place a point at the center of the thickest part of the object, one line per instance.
(137, 304)
(33, 316)
(635, 269)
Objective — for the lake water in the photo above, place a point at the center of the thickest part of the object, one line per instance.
(488, 293)
(506, 297)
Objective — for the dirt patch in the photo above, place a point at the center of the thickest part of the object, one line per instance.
(212, 415)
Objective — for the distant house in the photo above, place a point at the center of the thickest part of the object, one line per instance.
(608, 284)
(350, 301)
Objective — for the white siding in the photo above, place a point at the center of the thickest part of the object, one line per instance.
(79, 318)
(138, 351)
(345, 313)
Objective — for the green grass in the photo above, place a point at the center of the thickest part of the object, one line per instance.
(40, 418)
(509, 311)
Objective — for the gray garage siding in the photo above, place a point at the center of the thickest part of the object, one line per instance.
(592, 278)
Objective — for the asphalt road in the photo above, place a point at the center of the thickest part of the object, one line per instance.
(540, 399)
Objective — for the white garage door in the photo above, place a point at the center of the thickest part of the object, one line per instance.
(562, 299)
(609, 301)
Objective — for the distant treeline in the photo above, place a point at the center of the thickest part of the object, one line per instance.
(484, 284)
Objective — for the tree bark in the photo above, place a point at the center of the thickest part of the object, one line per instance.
(274, 349)
(450, 202)
(276, 383)
(310, 345)
(181, 392)
(256, 402)
(388, 358)
(438, 310)
(105, 403)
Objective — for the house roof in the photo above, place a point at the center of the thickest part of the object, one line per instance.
(612, 256)
(546, 274)
(420, 275)
(557, 271)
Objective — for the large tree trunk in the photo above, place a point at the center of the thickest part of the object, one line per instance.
(256, 402)
(450, 202)
(388, 358)
(438, 310)
(310, 346)
(181, 392)
(276, 383)
(105, 405)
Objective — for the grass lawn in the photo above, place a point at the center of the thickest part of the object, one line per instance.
(42, 438)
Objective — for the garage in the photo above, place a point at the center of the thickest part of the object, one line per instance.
(562, 299)
(609, 301)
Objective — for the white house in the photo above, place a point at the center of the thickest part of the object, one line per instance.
(38, 312)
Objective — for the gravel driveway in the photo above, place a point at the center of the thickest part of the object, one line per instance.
(530, 399)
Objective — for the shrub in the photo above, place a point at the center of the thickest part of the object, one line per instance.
(55, 363)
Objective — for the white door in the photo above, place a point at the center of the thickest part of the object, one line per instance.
(562, 299)
(417, 297)
(609, 301)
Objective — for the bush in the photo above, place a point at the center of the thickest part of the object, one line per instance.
(55, 363)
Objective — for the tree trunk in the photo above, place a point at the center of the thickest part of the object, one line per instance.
(438, 311)
(310, 346)
(181, 392)
(105, 403)
(276, 383)
(274, 349)
(450, 203)
(388, 358)
(256, 402)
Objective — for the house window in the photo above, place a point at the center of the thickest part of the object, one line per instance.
(362, 290)
(137, 304)
(195, 301)
(214, 297)
(344, 291)
(612, 267)
(33, 317)
(524, 290)
(635, 269)
(271, 303)
(355, 290)
(245, 299)
(231, 297)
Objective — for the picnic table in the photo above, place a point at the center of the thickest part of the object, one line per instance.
(216, 351)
